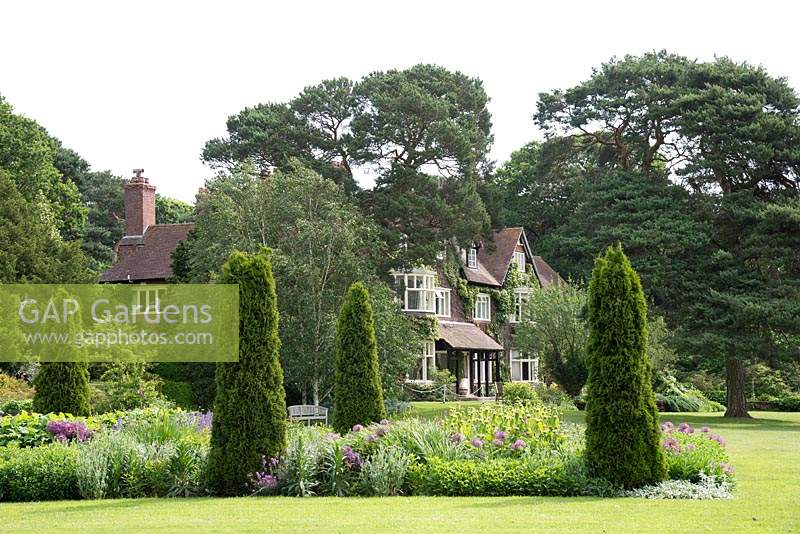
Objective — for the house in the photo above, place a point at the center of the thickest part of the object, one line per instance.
(144, 254)
(474, 342)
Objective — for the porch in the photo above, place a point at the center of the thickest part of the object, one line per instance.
(472, 357)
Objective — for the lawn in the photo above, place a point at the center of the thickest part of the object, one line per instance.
(765, 451)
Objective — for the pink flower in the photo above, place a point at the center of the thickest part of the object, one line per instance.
(357, 428)
(685, 428)
(477, 443)
(518, 445)
(667, 427)
(705, 430)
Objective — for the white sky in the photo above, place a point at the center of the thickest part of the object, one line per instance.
(145, 84)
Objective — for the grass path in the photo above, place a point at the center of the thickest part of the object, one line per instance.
(765, 451)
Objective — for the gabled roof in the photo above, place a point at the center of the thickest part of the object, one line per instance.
(150, 255)
(496, 256)
(466, 336)
(547, 275)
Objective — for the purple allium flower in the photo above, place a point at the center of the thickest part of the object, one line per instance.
(385, 422)
(671, 445)
(380, 431)
(357, 428)
(685, 428)
(263, 481)
(351, 458)
(718, 439)
(500, 435)
(64, 431)
(690, 447)
(728, 469)
(332, 436)
(458, 437)
(477, 443)
(705, 430)
(372, 438)
(497, 442)
(667, 427)
(518, 445)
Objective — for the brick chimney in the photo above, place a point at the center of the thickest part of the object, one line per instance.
(140, 204)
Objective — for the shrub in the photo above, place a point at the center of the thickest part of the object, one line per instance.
(518, 392)
(622, 436)
(39, 474)
(14, 389)
(384, 472)
(690, 453)
(555, 396)
(28, 429)
(128, 386)
(505, 476)
(62, 387)
(250, 409)
(181, 393)
(535, 425)
(357, 384)
(787, 403)
(15, 407)
(423, 439)
(147, 458)
(677, 403)
(706, 488)
(717, 395)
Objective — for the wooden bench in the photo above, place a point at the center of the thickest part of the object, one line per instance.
(308, 413)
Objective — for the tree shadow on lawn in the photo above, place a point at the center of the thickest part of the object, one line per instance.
(103, 504)
(759, 421)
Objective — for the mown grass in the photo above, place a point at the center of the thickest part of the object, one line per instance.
(765, 451)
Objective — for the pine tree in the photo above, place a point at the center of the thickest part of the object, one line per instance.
(357, 384)
(250, 407)
(62, 387)
(622, 434)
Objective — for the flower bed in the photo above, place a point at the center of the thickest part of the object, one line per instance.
(494, 449)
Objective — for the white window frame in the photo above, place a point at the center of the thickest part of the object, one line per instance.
(518, 362)
(483, 307)
(442, 302)
(418, 287)
(472, 258)
(520, 298)
(519, 259)
(148, 296)
(427, 362)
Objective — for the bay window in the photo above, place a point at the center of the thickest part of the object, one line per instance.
(417, 291)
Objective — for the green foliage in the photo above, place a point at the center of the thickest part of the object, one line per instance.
(15, 407)
(38, 474)
(622, 422)
(787, 403)
(27, 158)
(357, 385)
(250, 409)
(163, 455)
(62, 387)
(31, 249)
(181, 393)
(690, 454)
(173, 211)
(519, 392)
(502, 477)
(533, 423)
(384, 472)
(128, 385)
(555, 328)
(14, 389)
(321, 244)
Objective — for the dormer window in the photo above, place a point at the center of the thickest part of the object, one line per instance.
(519, 260)
(472, 258)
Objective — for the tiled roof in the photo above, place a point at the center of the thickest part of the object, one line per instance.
(547, 275)
(466, 336)
(150, 258)
(496, 255)
(480, 275)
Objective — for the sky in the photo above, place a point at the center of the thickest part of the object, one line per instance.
(146, 84)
